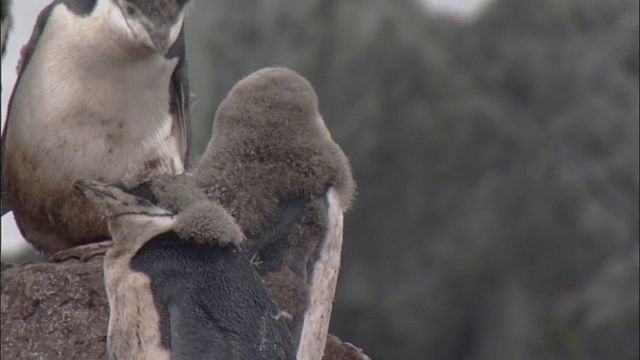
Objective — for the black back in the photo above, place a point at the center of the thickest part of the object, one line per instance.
(212, 303)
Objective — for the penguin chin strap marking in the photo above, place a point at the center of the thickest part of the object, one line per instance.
(169, 215)
(126, 19)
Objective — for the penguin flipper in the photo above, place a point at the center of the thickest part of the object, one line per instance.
(180, 98)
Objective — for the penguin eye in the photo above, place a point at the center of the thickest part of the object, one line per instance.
(143, 202)
(131, 10)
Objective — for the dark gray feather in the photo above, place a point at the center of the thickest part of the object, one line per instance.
(179, 105)
(217, 305)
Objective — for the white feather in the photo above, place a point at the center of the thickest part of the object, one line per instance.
(95, 98)
(132, 312)
(323, 286)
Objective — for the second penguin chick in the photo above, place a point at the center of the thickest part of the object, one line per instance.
(178, 287)
(272, 163)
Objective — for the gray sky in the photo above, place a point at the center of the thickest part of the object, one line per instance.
(25, 13)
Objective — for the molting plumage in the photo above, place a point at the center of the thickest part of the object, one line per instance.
(180, 292)
(272, 163)
(102, 93)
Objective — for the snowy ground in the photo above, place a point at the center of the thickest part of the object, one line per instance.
(25, 13)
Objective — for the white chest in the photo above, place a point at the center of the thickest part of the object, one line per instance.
(134, 322)
(81, 98)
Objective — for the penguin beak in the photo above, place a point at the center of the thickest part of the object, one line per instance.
(159, 33)
(156, 27)
(109, 200)
(162, 31)
(160, 41)
(93, 189)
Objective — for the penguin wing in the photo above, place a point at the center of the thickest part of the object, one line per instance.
(179, 93)
(27, 52)
(303, 279)
(322, 284)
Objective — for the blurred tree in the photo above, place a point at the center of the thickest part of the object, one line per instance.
(497, 163)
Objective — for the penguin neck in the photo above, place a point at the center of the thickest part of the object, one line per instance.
(131, 231)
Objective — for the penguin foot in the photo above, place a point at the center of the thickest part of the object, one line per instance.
(283, 315)
(82, 252)
(255, 260)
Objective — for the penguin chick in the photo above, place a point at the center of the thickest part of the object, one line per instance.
(173, 192)
(272, 163)
(205, 220)
(102, 93)
(176, 192)
(179, 193)
(178, 293)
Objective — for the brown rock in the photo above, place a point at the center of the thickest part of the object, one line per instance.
(338, 350)
(54, 311)
(60, 311)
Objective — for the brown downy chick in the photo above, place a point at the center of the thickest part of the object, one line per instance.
(272, 163)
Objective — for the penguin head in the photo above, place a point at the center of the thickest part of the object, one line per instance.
(114, 202)
(174, 192)
(270, 98)
(199, 218)
(128, 216)
(153, 24)
(193, 217)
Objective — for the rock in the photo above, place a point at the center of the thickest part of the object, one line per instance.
(54, 311)
(338, 350)
(60, 311)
